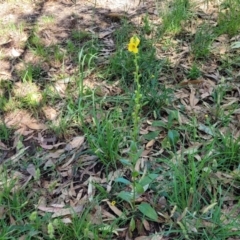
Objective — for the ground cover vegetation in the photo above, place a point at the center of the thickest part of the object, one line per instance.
(120, 125)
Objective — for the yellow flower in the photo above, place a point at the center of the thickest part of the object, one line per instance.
(132, 48)
(135, 40)
(133, 44)
(113, 203)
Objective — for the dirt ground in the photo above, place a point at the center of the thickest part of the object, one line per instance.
(54, 22)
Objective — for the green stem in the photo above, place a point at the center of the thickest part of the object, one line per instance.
(134, 192)
(136, 122)
(137, 105)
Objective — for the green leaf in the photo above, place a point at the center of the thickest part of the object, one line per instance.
(126, 196)
(158, 124)
(132, 225)
(148, 179)
(135, 174)
(148, 211)
(165, 143)
(134, 152)
(125, 162)
(173, 115)
(122, 180)
(139, 188)
(173, 136)
(151, 135)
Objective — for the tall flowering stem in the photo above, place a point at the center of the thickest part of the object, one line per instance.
(134, 152)
(138, 96)
(133, 47)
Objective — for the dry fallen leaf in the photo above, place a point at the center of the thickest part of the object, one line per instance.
(75, 143)
(61, 88)
(146, 224)
(3, 146)
(16, 52)
(55, 154)
(154, 237)
(49, 147)
(59, 211)
(65, 165)
(36, 126)
(50, 113)
(31, 170)
(105, 33)
(115, 209)
(143, 238)
(18, 155)
(66, 220)
(150, 144)
(193, 100)
(107, 214)
(91, 189)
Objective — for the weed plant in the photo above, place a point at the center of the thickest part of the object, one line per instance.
(5, 132)
(156, 96)
(229, 18)
(194, 72)
(36, 46)
(202, 42)
(106, 137)
(179, 11)
(31, 73)
(182, 176)
(121, 64)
